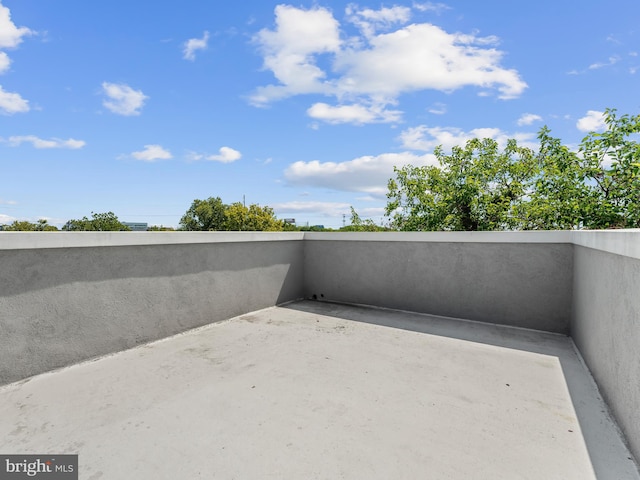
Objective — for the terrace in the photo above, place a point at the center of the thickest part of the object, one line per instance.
(323, 355)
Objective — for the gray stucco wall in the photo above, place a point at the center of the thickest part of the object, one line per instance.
(520, 284)
(606, 329)
(68, 297)
(59, 306)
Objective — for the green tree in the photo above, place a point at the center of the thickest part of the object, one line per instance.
(359, 225)
(477, 187)
(204, 215)
(560, 195)
(41, 225)
(254, 218)
(160, 228)
(101, 222)
(611, 161)
(212, 214)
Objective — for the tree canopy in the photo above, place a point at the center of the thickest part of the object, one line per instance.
(482, 187)
(98, 222)
(212, 214)
(204, 215)
(41, 225)
(359, 225)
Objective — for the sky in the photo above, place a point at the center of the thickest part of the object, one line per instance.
(139, 108)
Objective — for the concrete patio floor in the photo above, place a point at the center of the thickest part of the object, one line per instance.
(314, 390)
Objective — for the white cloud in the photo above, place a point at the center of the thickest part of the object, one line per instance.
(423, 56)
(151, 153)
(370, 21)
(438, 109)
(225, 155)
(368, 174)
(11, 103)
(528, 119)
(358, 114)
(5, 62)
(10, 35)
(593, 121)
(612, 61)
(431, 7)
(8, 202)
(373, 70)
(194, 44)
(424, 138)
(36, 142)
(6, 219)
(328, 209)
(289, 51)
(122, 99)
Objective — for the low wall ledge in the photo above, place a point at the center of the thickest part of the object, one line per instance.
(619, 242)
(551, 236)
(31, 240)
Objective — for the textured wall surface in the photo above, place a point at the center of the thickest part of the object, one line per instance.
(67, 297)
(606, 329)
(520, 284)
(62, 305)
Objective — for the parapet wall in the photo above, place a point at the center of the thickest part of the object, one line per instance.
(67, 297)
(605, 323)
(522, 279)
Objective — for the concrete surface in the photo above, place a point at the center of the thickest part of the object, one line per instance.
(323, 391)
(36, 240)
(519, 284)
(606, 329)
(63, 305)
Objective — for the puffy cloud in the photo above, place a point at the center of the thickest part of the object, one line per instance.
(10, 35)
(11, 103)
(426, 138)
(368, 174)
(358, 114)
(289, 51)
(194, 44)
(122, 99)
(593, 121)
(372, 70)
(151, 153)
(528, 119)
(424, 56)
(224, 155)
(71, 143)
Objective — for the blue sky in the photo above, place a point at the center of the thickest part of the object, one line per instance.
(141, 107)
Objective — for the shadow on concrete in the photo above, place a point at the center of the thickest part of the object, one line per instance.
(610, 458)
